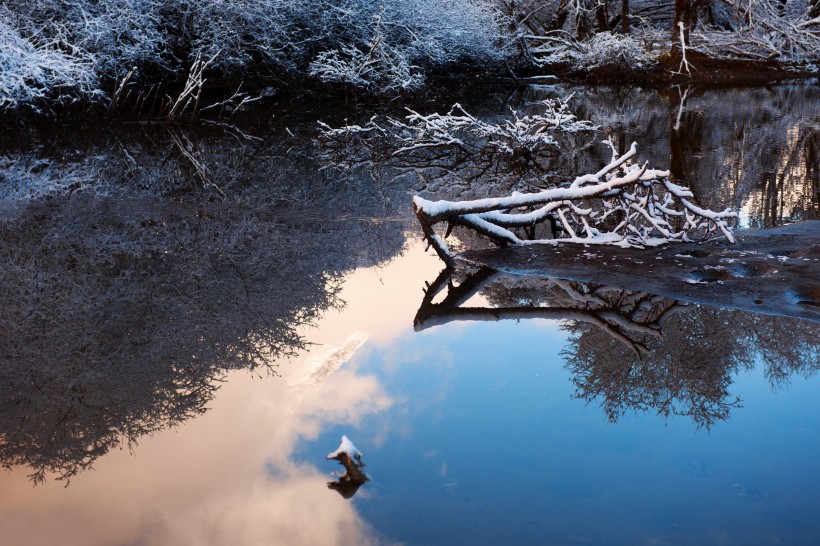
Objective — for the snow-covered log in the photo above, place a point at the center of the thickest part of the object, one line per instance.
(624, 204)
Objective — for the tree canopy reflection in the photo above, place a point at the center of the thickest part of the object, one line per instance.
(119, 318)
(632, 351)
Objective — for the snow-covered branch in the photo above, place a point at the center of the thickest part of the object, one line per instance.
(765, 29)
(35, 69)
(459, 128)
(624, 204)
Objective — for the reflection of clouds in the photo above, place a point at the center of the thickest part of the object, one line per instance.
(291, 509)
(226, 478)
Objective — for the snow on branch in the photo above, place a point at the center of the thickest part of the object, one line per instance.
(35, 70)
(602, 49)
(624, 204)
(765, 29)
(381, 65)
(458, 128)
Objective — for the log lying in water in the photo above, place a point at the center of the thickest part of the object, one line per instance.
(774, 271)
(623, 204)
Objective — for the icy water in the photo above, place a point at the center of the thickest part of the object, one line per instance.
(192, 319)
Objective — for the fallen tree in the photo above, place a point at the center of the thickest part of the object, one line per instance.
(623, 204)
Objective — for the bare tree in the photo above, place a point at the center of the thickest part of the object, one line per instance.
(690, 370)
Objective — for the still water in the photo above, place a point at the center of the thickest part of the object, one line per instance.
(186, 336)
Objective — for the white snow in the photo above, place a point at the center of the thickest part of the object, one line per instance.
(645, 198)
(346, 446)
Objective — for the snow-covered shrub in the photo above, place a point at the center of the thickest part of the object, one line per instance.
(405, 37)
(448, 31)
(603, 49)
(119, 34)
(786, 30)
(385, 69)
(284, 40)
(268, 32)
(122, 34)
(334, 39)
(381, 66)
(458, 128)
(610, 49)
(35, 69)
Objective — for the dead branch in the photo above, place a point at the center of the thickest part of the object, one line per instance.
(623, 204)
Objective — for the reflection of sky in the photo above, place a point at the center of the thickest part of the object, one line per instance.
(488, 445)
(226, 478)
(470, 435)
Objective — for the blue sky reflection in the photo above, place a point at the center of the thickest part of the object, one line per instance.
(488, 446)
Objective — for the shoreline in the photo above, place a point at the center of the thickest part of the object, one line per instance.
(706, 72)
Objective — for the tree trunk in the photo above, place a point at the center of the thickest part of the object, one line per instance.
(601, 17)
(560, 17)
(625, 16)
(683, 14)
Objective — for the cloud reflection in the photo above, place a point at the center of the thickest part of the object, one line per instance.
(231, 476)
(227, 478)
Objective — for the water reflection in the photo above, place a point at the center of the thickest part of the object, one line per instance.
(756, 150)
(120, 317)
(688, 371)
(631, 350)
(143, 269)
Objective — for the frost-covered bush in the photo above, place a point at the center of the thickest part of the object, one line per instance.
(381, 66)
(35, 69)
(333, 39)
(117, 34)
(602, 49)
(610, 49)
(383, 47)
(447, 31)
(787, 30)
(122, 34)
(404, 38)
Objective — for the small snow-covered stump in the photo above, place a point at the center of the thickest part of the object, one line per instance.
(354, 476)
(623, 204)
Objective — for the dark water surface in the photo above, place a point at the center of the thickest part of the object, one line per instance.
(190, 320)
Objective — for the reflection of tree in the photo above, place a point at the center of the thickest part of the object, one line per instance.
(459, 155)
(119, 317)
(634, 351)
(754, 149)
(623, 315)
(689, 371)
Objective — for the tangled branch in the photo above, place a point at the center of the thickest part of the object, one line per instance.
(623, 204)
(462, 130)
